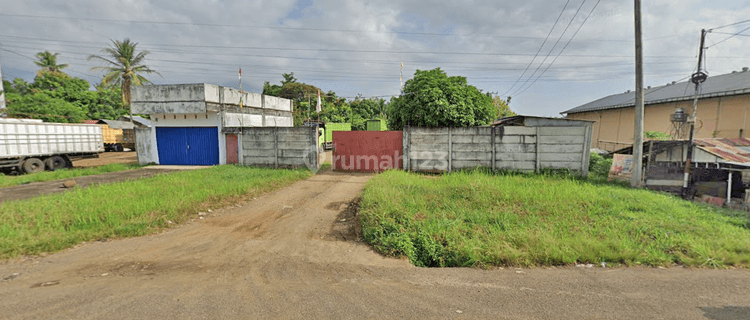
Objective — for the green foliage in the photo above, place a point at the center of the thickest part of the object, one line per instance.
(132, 208)
(502, 107)
(42, 105)
(599, 166)
(432, 99)
(478, 218)
(48, 61)
(124, 66)
(58, 97)
(366, 109)
(656, 135)
(333, 108)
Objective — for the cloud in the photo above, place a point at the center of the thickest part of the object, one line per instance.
(355, 47)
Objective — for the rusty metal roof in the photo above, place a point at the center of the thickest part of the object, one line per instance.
(731, 150)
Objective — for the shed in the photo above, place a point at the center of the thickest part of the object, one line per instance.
(720, 167)
(198, 124)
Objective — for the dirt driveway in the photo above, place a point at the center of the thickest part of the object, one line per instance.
(282, 256)
(36, 189)
(107, 158)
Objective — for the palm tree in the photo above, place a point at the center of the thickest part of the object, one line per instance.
(124, 66)
(48, 61)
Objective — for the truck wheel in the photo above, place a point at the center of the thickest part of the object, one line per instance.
(33, 165)
(55, 163)
(118, 147)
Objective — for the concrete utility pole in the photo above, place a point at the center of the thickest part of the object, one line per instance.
(636, 178)
(2, 93)
(697, 78)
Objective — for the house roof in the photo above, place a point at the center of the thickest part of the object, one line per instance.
(137, 119)
(717, 86)
(532, 121)
(115, 124)
(730, 150)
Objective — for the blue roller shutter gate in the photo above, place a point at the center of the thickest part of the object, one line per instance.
(188, 145)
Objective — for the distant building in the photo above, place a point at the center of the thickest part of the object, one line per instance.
(723, 111)
(198, 124)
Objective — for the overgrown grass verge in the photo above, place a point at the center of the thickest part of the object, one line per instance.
(9, 181)
(131, 208)
(476, 218)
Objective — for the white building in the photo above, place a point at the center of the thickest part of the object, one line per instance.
(197, 124)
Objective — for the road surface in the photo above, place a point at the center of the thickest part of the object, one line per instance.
(293, 254)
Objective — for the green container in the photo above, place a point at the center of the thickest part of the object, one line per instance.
(331, 127)
(377, 125)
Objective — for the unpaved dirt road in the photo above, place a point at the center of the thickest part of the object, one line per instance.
(282, 256)
(107, 158)
(36, 189)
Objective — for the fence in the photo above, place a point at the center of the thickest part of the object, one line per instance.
(502, 147)
(367, 151)
(278, 147)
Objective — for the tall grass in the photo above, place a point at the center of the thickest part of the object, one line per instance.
(8, 181)
(477, 218)
(131, 208)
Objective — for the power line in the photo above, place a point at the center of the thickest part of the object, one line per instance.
(731, 24)
(277, 27)
(566, 45)
(730, 37)
(553, 47)
(540, 48)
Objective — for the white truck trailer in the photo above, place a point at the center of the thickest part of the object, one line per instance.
(28, 145)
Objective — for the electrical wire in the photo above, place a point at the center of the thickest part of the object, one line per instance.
(553, 48)
(731, 24)
(564, 47)
(730, 37)
(540, 48)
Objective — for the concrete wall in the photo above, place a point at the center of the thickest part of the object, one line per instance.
(279, 147)
(510, 148)
(145, 146)
(722, 117)
(205, 98)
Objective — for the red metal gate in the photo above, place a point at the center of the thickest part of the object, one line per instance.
(367, 151)
(232, 149)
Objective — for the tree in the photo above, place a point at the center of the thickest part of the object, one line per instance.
(303, 95)
(432, 99)
(58, 97)
(124, 66)
(48, 61)
(366, 109)
(502, 107)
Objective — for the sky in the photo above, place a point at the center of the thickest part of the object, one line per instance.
(547, 55)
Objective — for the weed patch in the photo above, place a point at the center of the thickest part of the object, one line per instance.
(131, 208)
(477, 218)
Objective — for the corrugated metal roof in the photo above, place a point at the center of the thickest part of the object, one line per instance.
(717, 86)
(115, 124)
(731, 150)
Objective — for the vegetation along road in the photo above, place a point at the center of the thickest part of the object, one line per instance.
(292, 253)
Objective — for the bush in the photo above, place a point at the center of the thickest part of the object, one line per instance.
(599, 166)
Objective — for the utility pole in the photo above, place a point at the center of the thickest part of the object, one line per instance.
(636, 178)
(697, 78)
(2, 94)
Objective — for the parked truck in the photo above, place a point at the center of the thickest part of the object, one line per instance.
(28, 145)
(117, 135)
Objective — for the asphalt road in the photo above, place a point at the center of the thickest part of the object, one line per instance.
(293, 254)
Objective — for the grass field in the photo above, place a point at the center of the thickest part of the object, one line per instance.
(481, 219)
(54, 222)
(9, 181)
